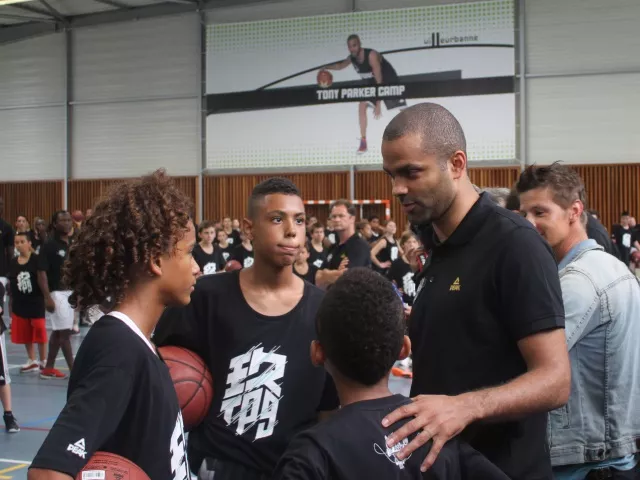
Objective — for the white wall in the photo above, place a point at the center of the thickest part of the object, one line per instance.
(136, 88)
(583, 81)
(32, 113)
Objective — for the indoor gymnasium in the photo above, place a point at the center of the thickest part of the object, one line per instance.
(319, 239)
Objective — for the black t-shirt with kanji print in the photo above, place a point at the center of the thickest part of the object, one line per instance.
(27, 300)
(260, 365)
(401, 274)
(242, 255)
(208, 262)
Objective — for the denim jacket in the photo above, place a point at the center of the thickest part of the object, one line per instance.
(602, 324)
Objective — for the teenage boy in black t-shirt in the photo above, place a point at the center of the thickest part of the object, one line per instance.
(27, 304)
(205, 253)
(243, 253)
(361, 327)
(253, 328)
(121, 398)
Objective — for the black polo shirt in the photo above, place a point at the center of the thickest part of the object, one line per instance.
(356, 249)
(493, 282)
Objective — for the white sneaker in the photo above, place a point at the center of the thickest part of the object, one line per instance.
(30, 367)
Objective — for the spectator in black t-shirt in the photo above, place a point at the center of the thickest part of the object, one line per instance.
(56, 294)
(361, 329)
(303, 268)
(349, 251)
(401, 273)
(233, 236)
(39, 234)
(253, 327)
(10, 422)
(364, 230)
(6, 250)
(224, 247)
(121, 398)
(317, 250)
(489, 350)
(386, 250)
(376, 230)
(27, 304)
(622, 235)
(243, 253)
(206, 255)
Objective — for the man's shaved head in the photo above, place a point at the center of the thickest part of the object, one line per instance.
(440, 131)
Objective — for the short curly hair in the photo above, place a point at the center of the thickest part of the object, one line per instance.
(360, 325)
(137, 221)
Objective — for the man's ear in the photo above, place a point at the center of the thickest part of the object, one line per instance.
(247, 226)
(317, 354)
(406, 348)
(155, 266)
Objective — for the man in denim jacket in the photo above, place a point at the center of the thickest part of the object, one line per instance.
(597, 434)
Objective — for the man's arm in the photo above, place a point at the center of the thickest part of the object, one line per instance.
(325, 277)
(338, 65)
(39, 474)
(43, 283)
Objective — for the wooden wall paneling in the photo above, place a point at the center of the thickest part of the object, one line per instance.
(228, 195)
(31, 199)
(494, 177)
(84, 194)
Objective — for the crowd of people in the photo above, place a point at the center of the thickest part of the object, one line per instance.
(519, 311)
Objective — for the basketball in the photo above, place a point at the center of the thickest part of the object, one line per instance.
(192, 381)
(232, 266)
(325, 79)
(109, 466)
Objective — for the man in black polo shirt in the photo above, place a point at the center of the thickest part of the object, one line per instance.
(349, 251)
(489, 350)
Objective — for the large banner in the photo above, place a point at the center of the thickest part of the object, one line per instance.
(319, 91)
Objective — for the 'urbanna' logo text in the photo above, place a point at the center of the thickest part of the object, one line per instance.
(437, 39)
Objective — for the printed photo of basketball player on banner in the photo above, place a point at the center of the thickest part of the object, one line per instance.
(318, 91)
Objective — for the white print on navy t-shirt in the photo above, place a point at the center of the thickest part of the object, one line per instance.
(318, 263)
(225, 255)
(24, 282)
(247, 262)
(78, 448)
(626, 240)
(394, 253)
(62, 253)
(209, 268)
(390, 452)
(178, 451)
(408, 286)
(230, 240)
(332, 237)
(252, 397)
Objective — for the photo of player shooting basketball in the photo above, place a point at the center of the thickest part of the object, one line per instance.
(376, 70)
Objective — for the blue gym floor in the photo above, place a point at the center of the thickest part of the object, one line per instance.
(37, 403)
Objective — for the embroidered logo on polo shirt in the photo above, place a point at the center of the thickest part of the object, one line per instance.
(455, 286)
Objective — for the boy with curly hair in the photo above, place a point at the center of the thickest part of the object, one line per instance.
(134, 258)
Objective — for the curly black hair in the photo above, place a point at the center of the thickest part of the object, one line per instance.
(360, 325)
(137, 221)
